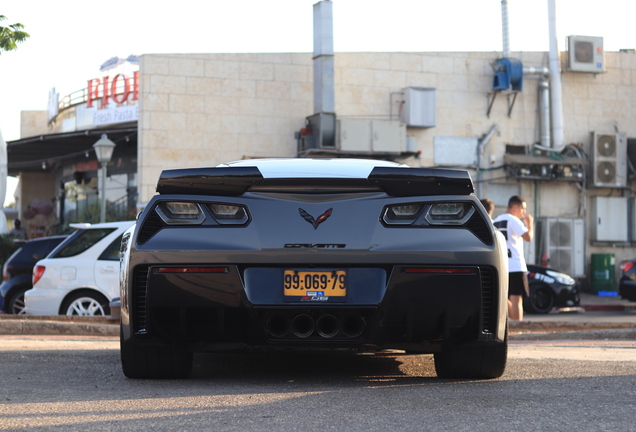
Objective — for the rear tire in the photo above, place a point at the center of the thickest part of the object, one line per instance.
(485, 361)
(86, 303)
(15, 304)
(147, 361)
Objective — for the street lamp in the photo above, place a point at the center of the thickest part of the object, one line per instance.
(104, 150)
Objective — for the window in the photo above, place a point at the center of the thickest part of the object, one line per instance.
(81, 241)
(112, 251)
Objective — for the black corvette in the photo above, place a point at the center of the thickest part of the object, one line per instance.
(314, 254)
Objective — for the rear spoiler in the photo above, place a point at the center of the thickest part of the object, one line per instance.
(394, 181)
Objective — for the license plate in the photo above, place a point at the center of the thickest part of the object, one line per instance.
(331, 283)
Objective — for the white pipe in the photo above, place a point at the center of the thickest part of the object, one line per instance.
(544, 107)
(504, 29)
(556, 93)
(535, 70)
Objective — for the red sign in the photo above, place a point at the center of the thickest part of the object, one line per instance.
(118, 89)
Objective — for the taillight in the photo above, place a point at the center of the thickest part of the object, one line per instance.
(5, 273)
(38, 271)
(229, 214)
(451, 213)
(402, 214)
(626, 266)
(438, 270)
(192, 270)
(180, 213)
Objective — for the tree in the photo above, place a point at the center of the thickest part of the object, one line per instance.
(11, 35)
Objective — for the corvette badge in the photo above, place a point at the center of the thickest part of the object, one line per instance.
(315, 222)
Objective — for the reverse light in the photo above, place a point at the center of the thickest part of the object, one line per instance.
(180, 213)
(404, 214)
(229, 213)
(452, 213)
(562, 278)
(38, 272)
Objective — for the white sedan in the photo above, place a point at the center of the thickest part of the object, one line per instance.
(81, 276)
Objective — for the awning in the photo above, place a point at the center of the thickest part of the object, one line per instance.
(29, 154)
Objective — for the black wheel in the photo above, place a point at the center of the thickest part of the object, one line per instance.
(145, 361)
(484, 361)
(541, 300)
(86, 303)
(15, 304)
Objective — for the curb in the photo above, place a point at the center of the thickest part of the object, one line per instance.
(41, 328)
(606, 334)
(66, 326)
(519, 330)
(609, 307)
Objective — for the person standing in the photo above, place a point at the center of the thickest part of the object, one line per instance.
(516, 226)
(489, 206)
(18, 231)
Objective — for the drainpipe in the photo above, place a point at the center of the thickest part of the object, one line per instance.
(556, 93)
(504, 29)
(544, 107)
(480, 149)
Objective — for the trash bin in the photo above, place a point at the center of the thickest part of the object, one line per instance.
(603, 274)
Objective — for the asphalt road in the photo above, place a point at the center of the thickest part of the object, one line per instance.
(75, 383)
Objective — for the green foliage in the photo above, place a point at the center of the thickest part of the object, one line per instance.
(7, 247)
(11, 35)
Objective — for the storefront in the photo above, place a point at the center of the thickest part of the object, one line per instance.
(57, 165)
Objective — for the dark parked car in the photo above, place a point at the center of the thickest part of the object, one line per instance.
(340, 254)
(17, 272)
(550, 289)
(627, 282)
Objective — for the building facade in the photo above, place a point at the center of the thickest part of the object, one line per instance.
(193, 110)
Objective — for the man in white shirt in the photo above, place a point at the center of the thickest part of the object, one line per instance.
(516, 226)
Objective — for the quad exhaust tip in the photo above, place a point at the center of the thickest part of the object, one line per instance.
(277, 325)
(303, 326)
(327, 326)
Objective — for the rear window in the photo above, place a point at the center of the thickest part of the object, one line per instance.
(82, 240)
(44, 247)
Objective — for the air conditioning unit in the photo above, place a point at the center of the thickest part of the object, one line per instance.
(609, 160)
(586, 54)
(561, 242)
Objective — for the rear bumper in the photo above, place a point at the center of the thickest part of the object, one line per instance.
(385, 307)
(42, 301)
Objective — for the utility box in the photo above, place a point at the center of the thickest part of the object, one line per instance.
(370, 136)
(609, 219)
(455, 151)
(418, 109)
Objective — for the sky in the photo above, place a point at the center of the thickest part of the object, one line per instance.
(70, 39)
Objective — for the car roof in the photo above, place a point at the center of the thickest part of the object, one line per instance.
(313, 168)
